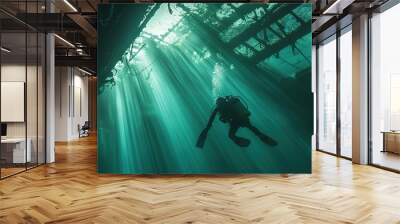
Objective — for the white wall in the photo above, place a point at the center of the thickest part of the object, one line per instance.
(80, 112)
(9, 73)
(61, 103)
(13, 100)
(71, 102)
(16, 73)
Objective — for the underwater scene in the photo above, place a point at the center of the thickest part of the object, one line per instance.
(204, 88)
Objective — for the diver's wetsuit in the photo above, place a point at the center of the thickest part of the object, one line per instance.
(232, 111)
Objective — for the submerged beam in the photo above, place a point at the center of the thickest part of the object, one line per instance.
(239, 12)
(282, 43)
(216, 43)
(261, 24)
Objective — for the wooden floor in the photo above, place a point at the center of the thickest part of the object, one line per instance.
(5, 172)
(70, 191)
(387, 159)
(9, 171)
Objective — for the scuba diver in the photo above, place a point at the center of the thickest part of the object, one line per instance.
(232, 111)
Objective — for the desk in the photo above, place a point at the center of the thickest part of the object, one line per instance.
(13, 150)
(391, 141)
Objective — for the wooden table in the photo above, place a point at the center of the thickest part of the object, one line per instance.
(391, 141)
(13, 150)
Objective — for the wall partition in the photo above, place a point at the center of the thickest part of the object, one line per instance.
(334, 94)
(327, 95)
(385, 89)
(22, 88)
(14, 145)
(345, 61)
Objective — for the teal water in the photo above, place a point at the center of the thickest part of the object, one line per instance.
(156, 100)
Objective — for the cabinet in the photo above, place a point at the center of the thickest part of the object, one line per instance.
(391, 142)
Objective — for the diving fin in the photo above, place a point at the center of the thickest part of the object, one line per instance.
(202, 139)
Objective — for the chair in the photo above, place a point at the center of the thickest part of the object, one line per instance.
(84, 130)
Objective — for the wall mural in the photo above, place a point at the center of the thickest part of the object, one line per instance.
(204, 88)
